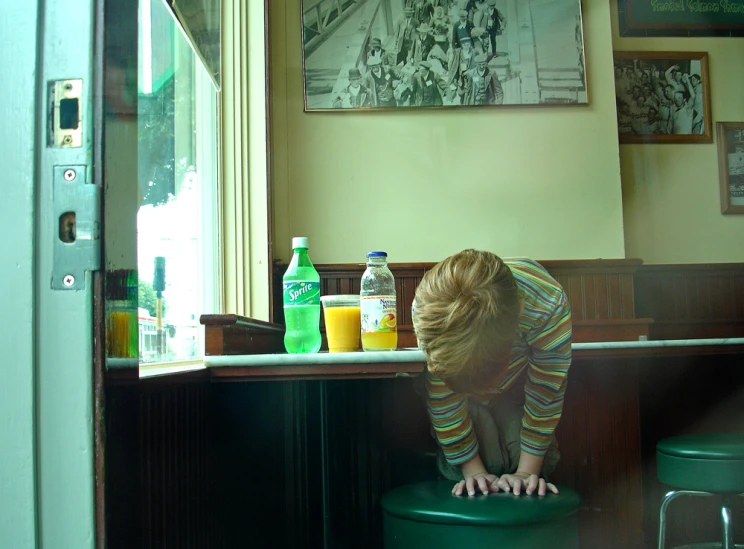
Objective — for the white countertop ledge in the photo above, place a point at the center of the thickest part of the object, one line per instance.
(415, 355)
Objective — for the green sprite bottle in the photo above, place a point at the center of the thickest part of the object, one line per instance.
(301, 301)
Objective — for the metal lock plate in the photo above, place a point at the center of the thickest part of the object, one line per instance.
(77, 243)
(66, 121)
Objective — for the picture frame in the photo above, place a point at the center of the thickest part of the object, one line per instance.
(663, 97)
(730, 137)
(371, 55)
(680, 18)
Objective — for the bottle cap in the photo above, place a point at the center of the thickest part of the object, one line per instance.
(300, 242)
(377, 254)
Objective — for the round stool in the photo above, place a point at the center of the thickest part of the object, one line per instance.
(702, 465)
(427, 516)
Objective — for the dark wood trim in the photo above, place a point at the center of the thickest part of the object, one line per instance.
(131, 376)
(552, 265)
(233, 334)
(310, 372)
(612, 329)
(242, 321)
(703, 269)
(99, 406)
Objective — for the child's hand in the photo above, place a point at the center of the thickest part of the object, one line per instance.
(516, 481)
(485, 482)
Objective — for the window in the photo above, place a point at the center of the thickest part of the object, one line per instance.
(177, 220)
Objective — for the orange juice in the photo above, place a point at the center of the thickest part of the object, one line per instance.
(342, 328)
(384, 341)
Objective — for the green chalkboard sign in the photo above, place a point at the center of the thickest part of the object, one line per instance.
(681, 17)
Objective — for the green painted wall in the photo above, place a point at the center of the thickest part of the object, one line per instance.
(542, 182)
(545, 182)
(671, 198)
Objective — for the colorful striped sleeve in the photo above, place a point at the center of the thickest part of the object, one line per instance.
(448, 412)
(546, 378)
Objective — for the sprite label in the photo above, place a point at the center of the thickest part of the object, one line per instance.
(301, 292)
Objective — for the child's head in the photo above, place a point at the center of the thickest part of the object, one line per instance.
(466, 312)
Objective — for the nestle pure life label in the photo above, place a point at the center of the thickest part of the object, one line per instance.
(378, 314)
(301, 292)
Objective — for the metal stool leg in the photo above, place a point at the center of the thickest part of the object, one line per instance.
(728, 534)
(665, 501)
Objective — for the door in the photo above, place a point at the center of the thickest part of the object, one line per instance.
(47, 261)
(73, 131)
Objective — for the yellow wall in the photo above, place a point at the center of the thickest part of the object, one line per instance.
(542, 182)
(670, 192)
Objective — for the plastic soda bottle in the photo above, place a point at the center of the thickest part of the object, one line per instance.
(378, 305)
(301, 301)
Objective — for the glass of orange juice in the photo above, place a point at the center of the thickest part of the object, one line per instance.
(342, 322)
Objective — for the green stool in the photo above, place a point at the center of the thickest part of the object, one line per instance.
(702, 465)
(427, 516)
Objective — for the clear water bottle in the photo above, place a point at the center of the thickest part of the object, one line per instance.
(301, 301)
(378, 305)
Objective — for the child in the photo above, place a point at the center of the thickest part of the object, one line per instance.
(497, 338)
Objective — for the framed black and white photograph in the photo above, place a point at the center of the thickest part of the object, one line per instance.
(663, 97)
(731, 166)
(389, 54)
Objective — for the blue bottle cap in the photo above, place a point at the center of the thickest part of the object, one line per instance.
(377, 254)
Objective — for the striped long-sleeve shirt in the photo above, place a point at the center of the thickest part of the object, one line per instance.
(542, 346)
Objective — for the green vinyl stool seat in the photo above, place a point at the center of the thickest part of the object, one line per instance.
(426, 515)
(702, 465)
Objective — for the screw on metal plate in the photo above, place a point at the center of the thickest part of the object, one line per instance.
(67, 140)
(68, 280)
(70, 175)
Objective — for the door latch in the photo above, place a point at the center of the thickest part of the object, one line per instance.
(77, 242)
(66, 120)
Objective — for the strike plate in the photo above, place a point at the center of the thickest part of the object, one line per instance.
(77, 244)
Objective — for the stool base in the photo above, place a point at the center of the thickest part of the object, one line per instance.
(705, 545)
(727, 530)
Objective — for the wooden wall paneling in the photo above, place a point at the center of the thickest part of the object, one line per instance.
(604, 299)
(301, 524)
(175, 467)
(575, 288)
(357, 463)
(614, 286)
(158, 467)
(574, 467)
(601, 453)
(717, 302)
(253, 504)
(599, 291)
(692, 301)
(122, 467)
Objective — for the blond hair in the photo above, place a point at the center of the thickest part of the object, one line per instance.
(466, 311)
